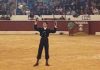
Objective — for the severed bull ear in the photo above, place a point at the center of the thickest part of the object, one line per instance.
(55, 24)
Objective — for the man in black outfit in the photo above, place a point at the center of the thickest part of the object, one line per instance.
(44, 33)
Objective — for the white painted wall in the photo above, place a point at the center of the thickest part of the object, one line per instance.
(80, 18)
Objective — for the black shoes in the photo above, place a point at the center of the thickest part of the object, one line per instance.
(47, 64)
(36, 64)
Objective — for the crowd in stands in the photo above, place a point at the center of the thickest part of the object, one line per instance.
(49, 7)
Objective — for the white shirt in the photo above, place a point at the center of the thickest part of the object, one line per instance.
(45, 28)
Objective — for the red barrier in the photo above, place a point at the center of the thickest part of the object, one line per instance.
(91, 28)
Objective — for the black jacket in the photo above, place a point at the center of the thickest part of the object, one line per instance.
(44, 33)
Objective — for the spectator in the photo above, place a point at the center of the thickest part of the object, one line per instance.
(48, 7)
(95, 11)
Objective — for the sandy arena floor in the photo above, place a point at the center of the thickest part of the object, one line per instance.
(18, 52)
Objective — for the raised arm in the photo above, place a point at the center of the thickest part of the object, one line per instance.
(35, 26)
(54, 30)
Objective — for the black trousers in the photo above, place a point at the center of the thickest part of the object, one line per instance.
(43, 43)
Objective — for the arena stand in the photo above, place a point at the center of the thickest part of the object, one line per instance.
(20, 24)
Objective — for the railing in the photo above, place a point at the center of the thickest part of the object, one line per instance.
(56, 17)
